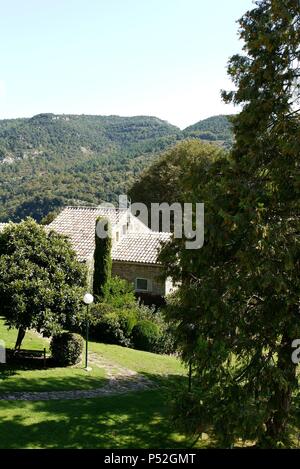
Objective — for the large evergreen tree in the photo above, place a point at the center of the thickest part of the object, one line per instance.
(237, 310)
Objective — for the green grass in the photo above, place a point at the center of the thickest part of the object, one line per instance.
(50, 379)
(32, 376)
(143, 362)
(135, 420)
(35, 378)
(31, 341)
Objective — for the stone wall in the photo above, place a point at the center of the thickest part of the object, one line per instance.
(130, 271)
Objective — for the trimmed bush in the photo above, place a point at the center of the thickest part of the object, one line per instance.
(66, 348)
(146, 335)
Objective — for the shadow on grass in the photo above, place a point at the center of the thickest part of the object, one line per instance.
(6, 372)
(134, 420)
(24, 373)
(16, 363)
(169, 381)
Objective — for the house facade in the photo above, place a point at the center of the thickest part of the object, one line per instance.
(135, 247)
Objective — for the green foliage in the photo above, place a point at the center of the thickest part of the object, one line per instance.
(163, 181)
(69, 159)
(216, 129)
(127, 320)
(119, 293)
(236, 309)
(112, 325)
(41, 281)
(47, 219)
(146, 335)
(166, 341)
(66, 348)
(114, 316)
(102, 257)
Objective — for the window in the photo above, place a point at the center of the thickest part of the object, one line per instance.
(124, 229)
(141, 284)
(117, 236)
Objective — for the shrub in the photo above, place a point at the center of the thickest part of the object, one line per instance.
(108, 330)
(114, 320)
(166, 340)
(112, 325)
(146, 335)
(66, 348)
(128, 319)
(119, 293)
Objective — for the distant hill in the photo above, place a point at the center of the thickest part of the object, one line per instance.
(215, 129)
(49, 160)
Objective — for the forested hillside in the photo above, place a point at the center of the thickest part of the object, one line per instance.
(48, 161)
(216, 129)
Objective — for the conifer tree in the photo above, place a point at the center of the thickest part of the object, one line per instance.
(102, 256)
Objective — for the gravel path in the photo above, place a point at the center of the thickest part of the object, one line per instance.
(121, 380)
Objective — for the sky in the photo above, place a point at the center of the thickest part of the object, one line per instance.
(164, 58)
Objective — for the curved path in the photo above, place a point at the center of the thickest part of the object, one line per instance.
(120, 380)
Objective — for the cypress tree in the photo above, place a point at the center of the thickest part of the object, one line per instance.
(102, 256)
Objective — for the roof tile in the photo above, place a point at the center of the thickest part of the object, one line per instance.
(78, 224)
(139, 247)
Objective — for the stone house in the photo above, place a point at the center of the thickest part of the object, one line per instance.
(134, 246)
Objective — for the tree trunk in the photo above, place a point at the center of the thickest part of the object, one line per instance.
(282, 398)
(21, 335)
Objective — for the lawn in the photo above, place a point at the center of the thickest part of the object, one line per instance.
(32, 376)
(50, 379)
(134, 420)
(35, 378)
(143, 362)
(31, 341)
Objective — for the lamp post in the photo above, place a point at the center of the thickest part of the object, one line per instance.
(87, 299)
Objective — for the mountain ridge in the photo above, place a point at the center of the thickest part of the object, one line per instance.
(49, 160)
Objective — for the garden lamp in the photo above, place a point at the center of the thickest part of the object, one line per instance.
(87, 299)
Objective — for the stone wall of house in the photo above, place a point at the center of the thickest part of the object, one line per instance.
(131, 271)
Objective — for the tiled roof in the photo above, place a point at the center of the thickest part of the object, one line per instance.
(88, 215)
(78, 224)
(139, 247)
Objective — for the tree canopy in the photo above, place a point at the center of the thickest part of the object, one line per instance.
(168, 179)
(41, 280)
(51, 160)
(237, 308)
